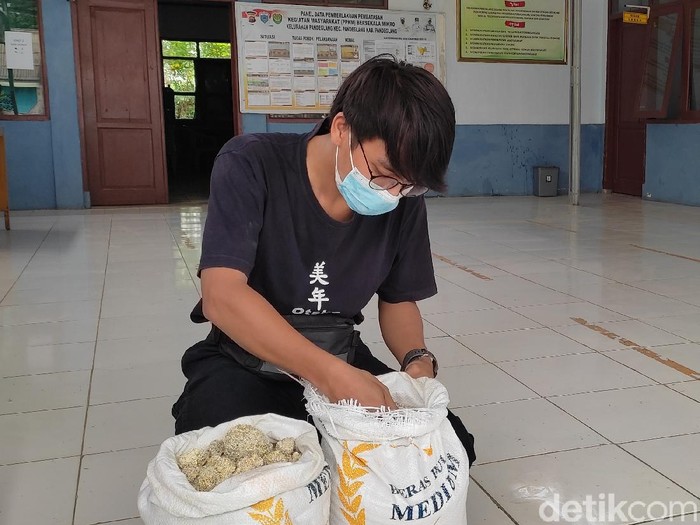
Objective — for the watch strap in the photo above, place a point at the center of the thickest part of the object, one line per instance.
(418, 353)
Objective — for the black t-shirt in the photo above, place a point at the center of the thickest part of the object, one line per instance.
(265, 221)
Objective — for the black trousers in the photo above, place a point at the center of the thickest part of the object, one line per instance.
(218, 389)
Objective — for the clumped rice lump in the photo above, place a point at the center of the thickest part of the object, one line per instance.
(243, 448)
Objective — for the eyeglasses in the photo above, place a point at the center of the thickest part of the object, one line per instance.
(382, 182)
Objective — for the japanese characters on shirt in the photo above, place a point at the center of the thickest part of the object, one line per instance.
(319, 280)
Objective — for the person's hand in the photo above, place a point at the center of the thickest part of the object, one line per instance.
(422, 367)
(344, 381)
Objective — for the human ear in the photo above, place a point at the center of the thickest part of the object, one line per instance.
(339, 129)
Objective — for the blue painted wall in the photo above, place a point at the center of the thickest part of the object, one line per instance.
(30, 175)
(63, 94)
(673, 167)
(43, 157)
(498, 159)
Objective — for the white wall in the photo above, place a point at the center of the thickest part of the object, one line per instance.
(486, 93)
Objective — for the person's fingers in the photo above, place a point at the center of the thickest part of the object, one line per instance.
(388, 400)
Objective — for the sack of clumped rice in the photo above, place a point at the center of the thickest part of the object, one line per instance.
(392, 466)
(255, 470)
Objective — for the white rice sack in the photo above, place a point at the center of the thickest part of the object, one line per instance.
(389, 467)
(285, 493)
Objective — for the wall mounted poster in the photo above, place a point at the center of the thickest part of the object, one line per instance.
(526, 31)
(292, 59)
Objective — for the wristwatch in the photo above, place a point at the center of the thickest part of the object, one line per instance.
(417, 354)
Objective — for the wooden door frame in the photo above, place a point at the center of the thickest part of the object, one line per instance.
(79, 81)
(237, 115)
(615, 58)
(611, 102)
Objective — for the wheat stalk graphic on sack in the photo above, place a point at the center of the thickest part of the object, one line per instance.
(349, 473)
(271, 513)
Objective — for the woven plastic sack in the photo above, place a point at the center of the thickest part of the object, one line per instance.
(278, 494)
(389, 467)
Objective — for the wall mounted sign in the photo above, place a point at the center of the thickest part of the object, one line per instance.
(525, 31)
(292, 59)
(636, 14)
(19, 50)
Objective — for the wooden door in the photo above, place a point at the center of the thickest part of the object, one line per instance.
(121, 97)
(625, 131)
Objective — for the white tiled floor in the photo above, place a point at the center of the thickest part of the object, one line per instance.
(546, 325)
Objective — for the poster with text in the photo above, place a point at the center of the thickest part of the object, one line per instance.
(292, 59)
(529, 31)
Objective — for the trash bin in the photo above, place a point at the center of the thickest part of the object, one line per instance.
(545, 181)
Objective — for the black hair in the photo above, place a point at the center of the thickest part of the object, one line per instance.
(409, 109)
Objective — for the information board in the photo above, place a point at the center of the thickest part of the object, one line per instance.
(532, 31)
(292, 59)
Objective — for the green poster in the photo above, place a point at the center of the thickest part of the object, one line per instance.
(513, 30)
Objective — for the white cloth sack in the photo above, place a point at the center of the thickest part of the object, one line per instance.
(283, 493)
(388, 467)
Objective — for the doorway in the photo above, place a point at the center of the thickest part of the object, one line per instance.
(198, 92)
(625, 132)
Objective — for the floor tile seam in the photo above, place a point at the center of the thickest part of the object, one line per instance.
(668, 385)
(658, 438)
(24, 268)
(89, 392)
(117, 450)
(114, 521)
(122, 401)
(547, 453)
(496, 331)
(20, 376)
(550, 226)
(448, 366)
(487, 309)
(695, 495)
(619, 389)
(542, 454)
(47, 302)
(34, 461)
(182, 255)
(573, 300)
(80, 318)
(186, 311)
(164, 330)
(40, 410)
(492, 403)
(673, 519)
(493, 500)
(540, 357)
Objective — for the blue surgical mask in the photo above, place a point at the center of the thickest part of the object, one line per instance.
(358, 194)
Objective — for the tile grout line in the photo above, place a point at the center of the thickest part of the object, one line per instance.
(182, 255)
(43, 240)
(493, 500)
(92, 371)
